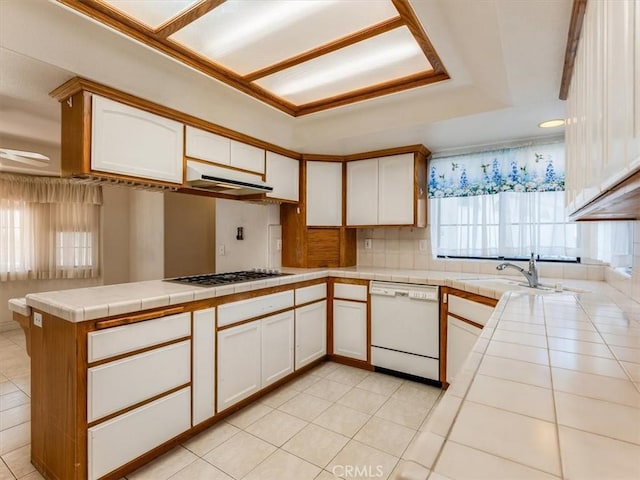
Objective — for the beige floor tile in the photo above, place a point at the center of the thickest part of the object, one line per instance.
(35, 475)
(304, 381)
(627, 354)
(206, 441)
(363, 400)
(15, 437)
(596, 386)
(276, 427)
(516, 370)
(460, 461)
(325, 475)
(381, 384)
(518, 352)
(5, 474)
(19, 461)
(424, 449)
(316, 444)
(8, 387)
(438, 476)
(348, 375)
(279, 396)
(325, 369)
(239, 455)
(283, 466)
(592, 457)
(409, 414)
(341, 419)
(521, 439)
(633, 369)
(248, 415)
(597, 416)
(385, 435)
(165, 466)
(200, 470)
(513, 396)
(521, 338)
(328, 389)
(15, 416)
(306, 407)
(586, 363)
(13, 399)
(407, 470)
(360, 461)
(536, 329)
(23, 383)
(427, 395)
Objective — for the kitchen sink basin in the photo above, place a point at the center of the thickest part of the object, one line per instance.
(513, 284)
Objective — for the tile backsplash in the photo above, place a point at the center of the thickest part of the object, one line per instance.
(401, 248)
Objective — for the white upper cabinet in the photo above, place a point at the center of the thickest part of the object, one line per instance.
(395, 190)
(324, 194)
(133, 142)
(381, 191)
(247, 157)
(283, 174)
(362, 192)
(207, 146)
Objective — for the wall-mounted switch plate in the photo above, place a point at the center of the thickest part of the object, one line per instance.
(279, 245)
(367, 243)
(422, 245)
(37, 319)
(222, 251)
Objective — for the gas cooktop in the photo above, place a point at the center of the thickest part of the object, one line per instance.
(213, 279)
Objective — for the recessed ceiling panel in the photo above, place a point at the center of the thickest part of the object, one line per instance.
(383, 58)
(152, 13)
(248, 35)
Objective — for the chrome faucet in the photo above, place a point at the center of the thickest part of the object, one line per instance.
(531, 275)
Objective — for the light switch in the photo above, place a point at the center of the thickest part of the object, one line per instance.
(37, 319)
(221, 250)
(367, 243)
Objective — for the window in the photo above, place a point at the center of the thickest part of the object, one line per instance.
(49, 228)
(509, 203)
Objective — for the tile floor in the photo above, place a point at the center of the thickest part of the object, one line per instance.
(333, 422)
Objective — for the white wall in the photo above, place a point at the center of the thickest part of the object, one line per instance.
(253, 251)
(146, 235)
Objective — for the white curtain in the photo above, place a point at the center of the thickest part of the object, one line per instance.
(49, 228)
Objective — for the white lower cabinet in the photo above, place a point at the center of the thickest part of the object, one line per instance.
(204, 362)
(350, 329)
(239, 359)
(311, 333)
(115, 442)
(277, 347)
(461, 337)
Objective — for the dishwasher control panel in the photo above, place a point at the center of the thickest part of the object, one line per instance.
(422, 295)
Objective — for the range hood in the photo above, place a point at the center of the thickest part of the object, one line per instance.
(212, 178)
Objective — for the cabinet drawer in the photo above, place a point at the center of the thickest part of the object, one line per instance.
(350, 292)
(120, 384)
(119, 440)
(474, 311)
(310, 294)
(253, 307)
(127, 338)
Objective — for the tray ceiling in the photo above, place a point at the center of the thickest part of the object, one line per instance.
(300, 56)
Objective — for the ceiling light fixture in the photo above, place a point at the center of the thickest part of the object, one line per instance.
(558, 122)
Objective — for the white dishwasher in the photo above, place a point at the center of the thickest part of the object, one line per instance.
(405, 329)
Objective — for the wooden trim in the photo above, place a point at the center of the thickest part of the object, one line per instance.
(387, 152)
(573, 40)
(116, 322)
(185, 18)
(300, 305)
(352, 362)
(25, 324)
(222, 165)
(132, 353)
(254, 319)
(137, 405)
(443, 336)
(316, 157)
(413, 24)
(365, 34)
(474, 297)
(465, 320)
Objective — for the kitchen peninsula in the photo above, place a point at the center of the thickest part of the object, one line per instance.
(549, 391)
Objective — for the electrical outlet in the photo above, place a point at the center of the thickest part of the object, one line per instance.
(367, 243)
(422, 245)
(37, 319)
(222, 251)
(279, 245)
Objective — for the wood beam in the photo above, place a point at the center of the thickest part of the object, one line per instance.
(185, 18)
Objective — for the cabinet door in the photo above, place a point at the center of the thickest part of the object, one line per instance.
(311, 333)
(350, 329)
(362, 192)
(461, 337)
(247, 157)
(207, 146)
(396, 190)
(277, 347)
(129, 141)
(238, 363)
(324, 194)
(283, 174)
(204, 361)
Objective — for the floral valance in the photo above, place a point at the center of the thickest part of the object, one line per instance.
(537, 168)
